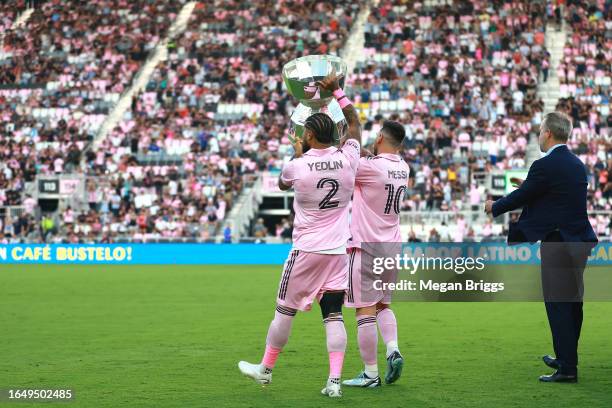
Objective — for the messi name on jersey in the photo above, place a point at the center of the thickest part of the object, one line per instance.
(403, 174)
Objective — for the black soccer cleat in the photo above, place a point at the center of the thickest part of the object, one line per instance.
(395, 364)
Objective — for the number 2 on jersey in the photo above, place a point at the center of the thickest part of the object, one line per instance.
(327, 202)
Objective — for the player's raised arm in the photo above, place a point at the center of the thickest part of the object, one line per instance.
(332, 83)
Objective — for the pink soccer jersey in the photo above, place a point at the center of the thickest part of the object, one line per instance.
(380, 186)
(323, 181)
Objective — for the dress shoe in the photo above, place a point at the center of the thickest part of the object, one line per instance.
(558, 377)
(551, 362)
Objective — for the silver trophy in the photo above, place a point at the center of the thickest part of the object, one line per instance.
(300, 76)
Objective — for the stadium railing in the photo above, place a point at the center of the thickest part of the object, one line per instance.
(427, 220)
(12, 211)
(410, 217)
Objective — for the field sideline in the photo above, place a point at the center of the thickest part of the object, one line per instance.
(171, 336)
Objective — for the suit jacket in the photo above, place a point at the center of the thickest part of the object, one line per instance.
(553, 197)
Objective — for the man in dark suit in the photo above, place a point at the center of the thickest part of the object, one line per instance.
(554, 197)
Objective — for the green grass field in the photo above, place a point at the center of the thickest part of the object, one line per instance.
(170, 336)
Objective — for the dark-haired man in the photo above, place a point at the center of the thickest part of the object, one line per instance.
(380, 186)
(323, 178)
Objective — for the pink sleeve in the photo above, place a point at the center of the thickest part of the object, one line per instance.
(364, 172)
(352, 150)
(288, 173)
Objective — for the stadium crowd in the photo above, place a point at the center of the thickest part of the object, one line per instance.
(462, 77)
(176, 129)
(586, 77)
(9, 14)
(65, 68)
(61, 73)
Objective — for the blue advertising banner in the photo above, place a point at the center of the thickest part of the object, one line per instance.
(146, 254)
(252, 254)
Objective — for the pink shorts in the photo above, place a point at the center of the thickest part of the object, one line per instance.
(308, 275)
(361, 291)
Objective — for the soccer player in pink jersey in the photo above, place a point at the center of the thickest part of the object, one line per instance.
(323, 178)
(380, 186)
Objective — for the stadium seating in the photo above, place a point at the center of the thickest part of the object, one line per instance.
(8, 15)
(63, 71)
(60, 75)
(217, 106)
(585, 91)
(463, 79)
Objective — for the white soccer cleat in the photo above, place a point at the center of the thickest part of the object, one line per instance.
(332, 390)
(363, 381)
(255, 371)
